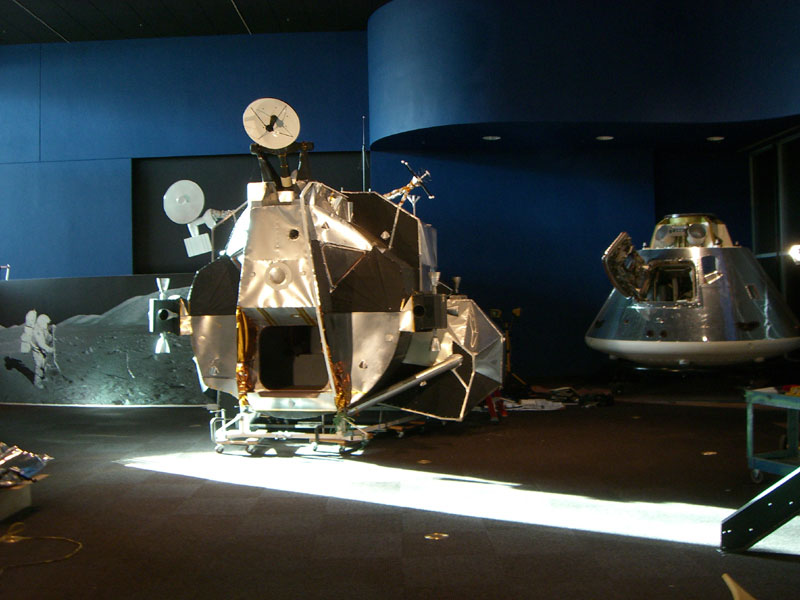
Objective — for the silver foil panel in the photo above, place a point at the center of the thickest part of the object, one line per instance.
(473, 330)
(285, 405)
(374, 341)
(278, 270)
(428, 258)
(474, 336)
(214, 347)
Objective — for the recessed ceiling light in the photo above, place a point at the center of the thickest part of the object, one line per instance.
(491, 138)
(604, 138)
(715, 138)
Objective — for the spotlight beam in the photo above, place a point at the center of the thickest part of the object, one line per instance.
(465, 496)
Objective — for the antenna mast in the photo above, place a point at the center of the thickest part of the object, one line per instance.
(363, 153)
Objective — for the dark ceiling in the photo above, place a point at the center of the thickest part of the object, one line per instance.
(60, 21)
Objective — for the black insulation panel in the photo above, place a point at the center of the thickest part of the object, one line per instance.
(158, 242)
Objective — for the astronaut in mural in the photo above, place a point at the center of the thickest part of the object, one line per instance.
(37, 338)
(27, 332)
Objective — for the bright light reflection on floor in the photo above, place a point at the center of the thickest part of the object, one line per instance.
(352, 479)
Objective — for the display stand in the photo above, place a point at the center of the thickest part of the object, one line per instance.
(779, 503)
(13, 500)
(784, 460)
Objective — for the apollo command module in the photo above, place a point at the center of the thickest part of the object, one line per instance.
(325, 307)
(690, 299)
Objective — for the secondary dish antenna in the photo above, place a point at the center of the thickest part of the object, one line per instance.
(183, 203)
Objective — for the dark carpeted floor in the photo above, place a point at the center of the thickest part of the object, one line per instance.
(147, 534)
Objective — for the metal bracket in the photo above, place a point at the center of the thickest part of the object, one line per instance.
(762, 515)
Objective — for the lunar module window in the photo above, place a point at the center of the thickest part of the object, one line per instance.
(291, 358)
(671, 282)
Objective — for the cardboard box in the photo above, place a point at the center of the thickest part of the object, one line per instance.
(14, 499)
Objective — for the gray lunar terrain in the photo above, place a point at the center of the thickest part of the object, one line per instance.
(103, 359)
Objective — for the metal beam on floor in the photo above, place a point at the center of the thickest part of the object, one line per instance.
(765, 513)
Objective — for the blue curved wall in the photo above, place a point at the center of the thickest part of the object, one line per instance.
(528, 231)
(444, 62)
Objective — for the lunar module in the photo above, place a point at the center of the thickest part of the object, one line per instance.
(692, 298)
(324, 314)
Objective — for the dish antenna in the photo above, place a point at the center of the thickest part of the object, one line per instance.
(183, 204)
(271, 123)
(184, 201)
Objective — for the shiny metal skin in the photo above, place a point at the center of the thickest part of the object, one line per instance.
(694, 300)
(325, 302)
(214, 348)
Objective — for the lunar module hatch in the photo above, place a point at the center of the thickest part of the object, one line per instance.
(692, 298)
(326, 305)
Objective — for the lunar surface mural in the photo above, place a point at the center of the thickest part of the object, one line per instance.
(101, 359)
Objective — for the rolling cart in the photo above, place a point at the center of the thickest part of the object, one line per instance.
(784, 460)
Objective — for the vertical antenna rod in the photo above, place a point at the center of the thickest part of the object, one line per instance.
(363, 153)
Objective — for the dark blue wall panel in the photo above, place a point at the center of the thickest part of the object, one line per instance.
(66, 219)
(528, 231)
(86, 109)
(476, 61)
(186, 96)
(19, 103)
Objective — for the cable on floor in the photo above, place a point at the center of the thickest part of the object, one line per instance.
(12, 536)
